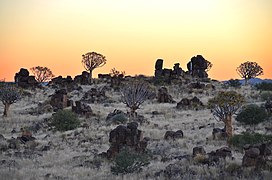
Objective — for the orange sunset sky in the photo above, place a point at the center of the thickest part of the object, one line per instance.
(132, 34)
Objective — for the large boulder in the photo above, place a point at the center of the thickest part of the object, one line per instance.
(193, 103)
(199, 150)
(94, 95)
(117, 117)
(59, 100)
(82, 109)
(197, 67)
(23, 79)
(173, 135)
(164, 96)
(257, 155)
(126, 137)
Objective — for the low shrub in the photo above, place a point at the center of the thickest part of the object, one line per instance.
(240, 140)
(252, 114)
(264, 86)
(234, 83)
(64, 120)
(129, 162)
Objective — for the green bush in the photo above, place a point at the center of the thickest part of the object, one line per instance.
(64, 120)
(234, 83)
(252, 114)
(264, 86)
(266, 95)
(248, 138)
(129, 162)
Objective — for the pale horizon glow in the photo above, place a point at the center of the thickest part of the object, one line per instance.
(134, 34)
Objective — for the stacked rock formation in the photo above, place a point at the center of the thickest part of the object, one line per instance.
(126, 137)
(23, 79)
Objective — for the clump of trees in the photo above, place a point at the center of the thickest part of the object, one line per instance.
(9, 94)
(134, 94)
(42, 74)
(91, 61)
(224, 105)
(248, 70)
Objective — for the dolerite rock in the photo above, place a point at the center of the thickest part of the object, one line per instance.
(197, 67)
(94, 96)
(23, 79)
(193, 103)
(219, 133)
(59, 100)
(199, 150)
(83, 78)
(173, 135)
(164, 96)
(126, 137)
(82, 109)
(61, 82)
(257, 155)
(117, 117)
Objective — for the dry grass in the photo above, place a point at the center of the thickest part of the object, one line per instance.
(70, 149)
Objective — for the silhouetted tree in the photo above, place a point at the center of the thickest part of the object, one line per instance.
(92, 60)
(248, 70)
(9, 94)
(134, 94)
(115, 73)
(42, 74)
(224, 105)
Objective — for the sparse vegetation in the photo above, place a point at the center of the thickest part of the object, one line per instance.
(134, 94)
(42, 74)
(224, 105)
(240, 140)
(91, 61)
(129, 162)
(64, 120)
(248, 70)
(9, 94)
(252, 114)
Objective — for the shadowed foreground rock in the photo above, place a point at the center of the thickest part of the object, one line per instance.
(126, 137)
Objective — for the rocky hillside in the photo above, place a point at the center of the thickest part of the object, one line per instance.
(173, 134)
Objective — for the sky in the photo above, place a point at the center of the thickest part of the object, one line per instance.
(133, 34)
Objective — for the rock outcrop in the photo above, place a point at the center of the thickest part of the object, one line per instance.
(126, 137)
(164, 96)
(24, 80)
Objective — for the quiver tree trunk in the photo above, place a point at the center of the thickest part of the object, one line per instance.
(90, 80)
(6, 109)
(228, 124)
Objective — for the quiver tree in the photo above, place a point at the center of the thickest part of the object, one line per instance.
(42, 74)
(134, 94)
(92, 60)
(248, 70)
(8, 95)
(224, 105)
